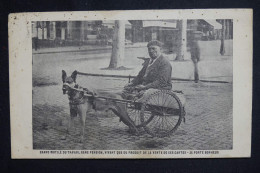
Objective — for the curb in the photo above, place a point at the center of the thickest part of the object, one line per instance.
(129, 77)
(82, 50)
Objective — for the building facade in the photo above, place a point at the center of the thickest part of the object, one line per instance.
(70, 33)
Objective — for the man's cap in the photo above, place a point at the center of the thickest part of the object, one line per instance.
(155, 43)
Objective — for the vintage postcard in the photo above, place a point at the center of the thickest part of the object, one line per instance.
(131, 84)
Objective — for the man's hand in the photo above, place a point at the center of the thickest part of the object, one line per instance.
(140, 87)
(128, 86)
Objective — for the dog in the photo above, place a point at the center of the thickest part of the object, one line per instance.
(81, 105)
(78, 102)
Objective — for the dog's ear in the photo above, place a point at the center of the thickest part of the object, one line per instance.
(64, 76)
(74, 75)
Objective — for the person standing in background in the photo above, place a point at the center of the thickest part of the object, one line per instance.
(195, 52)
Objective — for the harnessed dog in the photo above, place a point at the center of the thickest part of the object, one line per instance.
(78, 102)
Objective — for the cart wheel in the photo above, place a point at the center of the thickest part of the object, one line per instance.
(133, 111)
(167, 112)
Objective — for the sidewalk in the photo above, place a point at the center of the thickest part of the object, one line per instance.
(212, 67)
(208, 123)
(83, 48)
(207, 48)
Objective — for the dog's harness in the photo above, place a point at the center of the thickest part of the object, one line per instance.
(77, 101)
(81, 99)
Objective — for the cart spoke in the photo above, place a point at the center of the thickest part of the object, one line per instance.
(165, 107)
(165, 100)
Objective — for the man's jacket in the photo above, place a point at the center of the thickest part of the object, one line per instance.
(156, 75)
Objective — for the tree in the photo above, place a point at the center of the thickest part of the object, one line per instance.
(182, 39)
(82, 32)
(118, 45)
(222, 45)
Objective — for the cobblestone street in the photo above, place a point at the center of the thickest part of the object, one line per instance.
(208, 123)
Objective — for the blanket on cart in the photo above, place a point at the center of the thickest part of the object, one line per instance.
(143, 95)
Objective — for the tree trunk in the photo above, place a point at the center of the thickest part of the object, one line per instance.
(36, 39)
(42, 30)
(133, 34)
(69, 30)
(82, 33)
(143, 34)
(196, 71)
(222, 45)
(227, 30)
(118, 46)
(182, 40)
(53, 31)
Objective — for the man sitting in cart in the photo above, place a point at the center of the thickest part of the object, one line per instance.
(155, 74)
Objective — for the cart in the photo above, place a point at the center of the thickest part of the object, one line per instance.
(159, 113)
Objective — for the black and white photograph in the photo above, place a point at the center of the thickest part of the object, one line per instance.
(155, 84)
(106, 69)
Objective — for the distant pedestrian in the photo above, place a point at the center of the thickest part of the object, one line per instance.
(195, 53)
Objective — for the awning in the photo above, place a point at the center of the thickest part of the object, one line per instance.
(214, 23)
(128, 25)
(149, 23)
(108, 23)
(111, 23)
